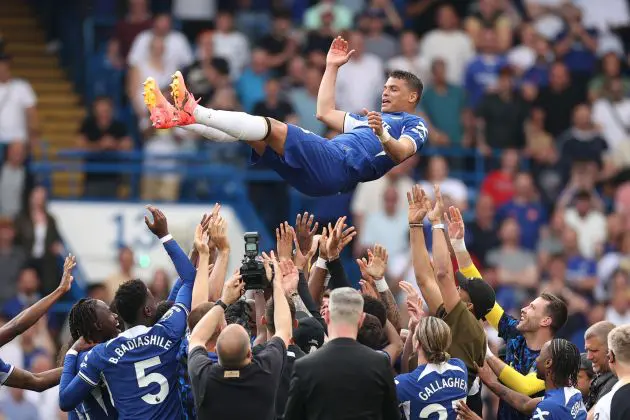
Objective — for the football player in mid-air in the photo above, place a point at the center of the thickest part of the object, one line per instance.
(370, 144)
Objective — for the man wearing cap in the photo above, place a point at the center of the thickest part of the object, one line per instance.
(18, 115)
(585, 376)
(524, 338)
(460, 308)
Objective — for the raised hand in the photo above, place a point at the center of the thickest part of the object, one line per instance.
(82, 345)
(201, 245)
(290, 276)
(338, 54)
(455, 223)
(419, 205)
(375, 122)
(159, 226)
(414, 304)
(233, 289)
(304, 231)
(66, 279)
(435, 215)
(412, 293)
(218, 233)
(284, 242)
(464, 412)
(267, 263)
(367, 288)
(377, 262)
(339, 237)
(323, 244)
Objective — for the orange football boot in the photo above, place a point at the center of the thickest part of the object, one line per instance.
(184, 101)
(163, 114)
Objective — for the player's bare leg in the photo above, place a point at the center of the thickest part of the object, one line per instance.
(256, 131)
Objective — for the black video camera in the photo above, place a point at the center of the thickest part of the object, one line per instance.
(252, 269)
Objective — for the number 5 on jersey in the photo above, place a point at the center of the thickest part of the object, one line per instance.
(145, 380)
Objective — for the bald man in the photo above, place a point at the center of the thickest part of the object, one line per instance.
(239, 386)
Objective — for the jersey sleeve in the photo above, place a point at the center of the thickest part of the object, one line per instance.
(352, 121)
(546, 410)
(415, 129)
(507, 327)
(5, 371)
(92, 366)
(74, 389)
(173, 323)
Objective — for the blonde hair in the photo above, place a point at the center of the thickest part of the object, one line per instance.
(619, 343)
(434, 337)
(345, 306)
(600, 331)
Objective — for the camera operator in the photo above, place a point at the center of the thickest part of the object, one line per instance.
(239, 386)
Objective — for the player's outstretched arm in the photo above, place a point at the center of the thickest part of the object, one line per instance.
(218, 235)
(284, 272)
(524, 384)
(398, 150)
(39, 382)
(520, 402)
(338, 55)
(28, 317)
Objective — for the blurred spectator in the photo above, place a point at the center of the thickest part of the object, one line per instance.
(538, 73)
(482, 233)
(47, 402)
(582, 142)
(499, 184)
(576, 46)
(558, 99)
(610, 69)
(159, 181)
(97, 291)
(605, 15)
(614, 234)
(581, 271)
(273, 105)
(545, 14)
(230, 44)
(37, 233)
(155, 66)
(377, 41)
(388, 227)
(444, 105)
(588, 222)
(160, 285)
(449, 43)
(31, 346)
(208, 73)
(194, 15)
(540, 145)
(523, 55)
(483, 70)
(27, 293)
(137, 20)
(318, 41)
(437, 173)
(516, 269)
(102, 136)
(177, 52)
(304, 101)
(18, 114)
(551, 238)
(489, 14)
(280, 44)
(252, 20)
(618, 310)
(386, 8)
(296, 73)
(608, 266)
(526, 208)
(410, 59)
(12, 259)
(251, 85)
(15, 181)
(14, 406)
(360, 81)
(611, 113)
(368, 196)
(126, 263)
(342, 16)
(501, 115)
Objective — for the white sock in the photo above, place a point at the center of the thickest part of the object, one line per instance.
(237, 124)
(209, 133)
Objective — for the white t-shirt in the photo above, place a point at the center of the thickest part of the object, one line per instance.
(234, 48)
(368, 196)
(194, 9)
(360, 84)
(417, 65)
(591, 230)
(614, 119)
(454, 47)
(603, 407)
(177, 51)
(454, 188)
(16, 96)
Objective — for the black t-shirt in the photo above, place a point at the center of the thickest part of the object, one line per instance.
(93, 133)
(280, 112)
(483, 241)
(243, 394)
(558, 108)
(293, 353)
(504, 121)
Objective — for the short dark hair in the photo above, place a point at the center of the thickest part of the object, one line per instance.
(371, 333)
(565, 362)
(240, 313)
(412, 80)
(269, 309)
(556, 309)
(82, 319)
(583, 195)
(163, 308)
(374, 306)
(130, 297)
(198, 313)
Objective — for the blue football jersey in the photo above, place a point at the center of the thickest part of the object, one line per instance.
(140, 368)
(97, 405)
(364, 151)
(5, 371)
(561, 404)
(432, 391)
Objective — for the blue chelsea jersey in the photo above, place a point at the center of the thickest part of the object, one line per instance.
(364, 151)
(97, 405)
(432, 391)
(140, 368)
(561, 404)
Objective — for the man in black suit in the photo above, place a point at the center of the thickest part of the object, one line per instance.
(343, 379)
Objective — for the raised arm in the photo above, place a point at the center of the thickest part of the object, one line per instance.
(218, 235)
(200, 288)
(39, 382)
(317, 278)
(338, 55)
(28, 317)
(339, 237)
(524, 384)
(283, 272)
(397, 149)
(520, 402)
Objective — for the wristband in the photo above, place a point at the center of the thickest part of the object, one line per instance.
(72, 352)
(221, 304)
(416, 225)
(167, 238)
(381, 285)
(385, 137)
(459, 245)
(321, 263)
(438, 226)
